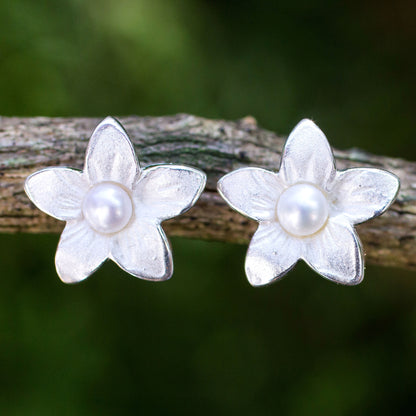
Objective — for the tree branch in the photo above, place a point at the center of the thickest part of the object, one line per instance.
(215, 146)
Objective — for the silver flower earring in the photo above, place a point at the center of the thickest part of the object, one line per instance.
(113, 208)
(307, 210)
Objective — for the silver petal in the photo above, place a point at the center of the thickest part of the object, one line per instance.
(271, 254)
(165, 191)
(336, 253)
(364, 193)
(80, 252)
(252, 192)
(110, 155)
(143, 251)
(57, 191)
(307, 156)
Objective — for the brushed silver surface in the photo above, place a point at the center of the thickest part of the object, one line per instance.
(157, 193)
(353, 196)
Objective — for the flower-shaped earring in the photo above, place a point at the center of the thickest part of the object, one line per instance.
(113, 208)
(307, 210)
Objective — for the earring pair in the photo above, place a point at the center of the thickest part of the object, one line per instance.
(114, 209)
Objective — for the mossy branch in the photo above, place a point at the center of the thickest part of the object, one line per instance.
(216, 147)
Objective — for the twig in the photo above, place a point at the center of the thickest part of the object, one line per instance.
(215, 146)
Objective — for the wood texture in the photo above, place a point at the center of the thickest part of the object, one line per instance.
(215, 146)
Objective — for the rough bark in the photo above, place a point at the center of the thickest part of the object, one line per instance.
(215, 146)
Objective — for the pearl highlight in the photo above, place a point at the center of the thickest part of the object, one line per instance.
(302, 209)
(107, 207)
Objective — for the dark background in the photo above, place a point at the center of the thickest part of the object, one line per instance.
(206, 342)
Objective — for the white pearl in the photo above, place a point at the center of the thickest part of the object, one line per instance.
(302, 209)
(107, 207)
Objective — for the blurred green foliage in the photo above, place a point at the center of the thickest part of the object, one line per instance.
(206, 342)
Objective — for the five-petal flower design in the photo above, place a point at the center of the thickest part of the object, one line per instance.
(307, 209)
(113, 208)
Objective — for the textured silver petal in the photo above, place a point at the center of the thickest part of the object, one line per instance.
(271, 254)
(252, 192)
(336, 253)
(143, 251)
(165, 191)
(110, 155)
(57, 191)
(307, 156)
(80, 251)
(363, 193)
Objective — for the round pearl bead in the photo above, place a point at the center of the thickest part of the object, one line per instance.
(107, 207)
(302, 209)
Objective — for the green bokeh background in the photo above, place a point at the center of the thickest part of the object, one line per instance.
(205, 342)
